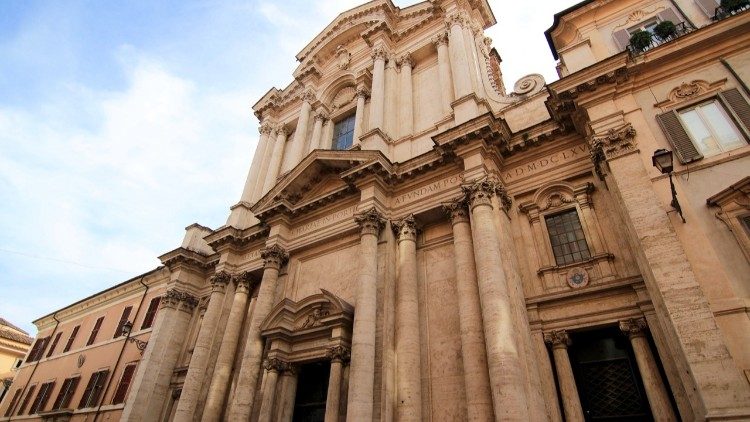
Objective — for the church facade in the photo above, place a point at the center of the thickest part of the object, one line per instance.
(415, 241)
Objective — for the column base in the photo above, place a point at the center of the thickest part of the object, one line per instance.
(468, 107)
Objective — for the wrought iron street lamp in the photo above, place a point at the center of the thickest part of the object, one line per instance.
(127, 328)
(663, 160)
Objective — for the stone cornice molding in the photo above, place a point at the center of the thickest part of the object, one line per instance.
(405, 228)
(339, 353)
(558, 339)
(487, 127)
(457, 210)
(634, 327)
(231, 237)
(274, 256)
(370, 221)
(182, 257)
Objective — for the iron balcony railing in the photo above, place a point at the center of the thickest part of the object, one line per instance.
(725, 12)
(681, 29)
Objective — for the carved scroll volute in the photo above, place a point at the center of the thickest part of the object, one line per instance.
(244, 282)
(405, 229)
(219, 281)
(274, 256)
(370, 221)
(457, 210)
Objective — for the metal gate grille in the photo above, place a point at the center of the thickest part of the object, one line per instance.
(611, 389)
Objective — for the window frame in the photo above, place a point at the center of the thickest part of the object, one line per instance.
(558, 212)
(42, 397)
(13, 401)
(66, 393)
(71, 339)
(344, 116)
(151, 313)
(26, 400)
(95, 331)
(94, 389)
(725, 111)
(123, 387)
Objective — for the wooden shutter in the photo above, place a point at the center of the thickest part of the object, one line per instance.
(622, 39)
(708, 7)
(26, 400)
(95, 331)
(13, 402)
(72, 338)
(739, 106)
(54, 344)
(67, 391)
(96, 392)
(122, 388)
(42, 397)
(153, 307)
(669, 15)
(87, 392)
(677, 135)
(123, 320)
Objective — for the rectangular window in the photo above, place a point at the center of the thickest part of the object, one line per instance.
(41, 399)
(343, 133)
(153, 308)
(95, 331)
(37, 351)
(710, 128)
(26, 400)
(567, 238)
(123, 320)
(66, 393)
(54, 344)
(13, 402)
(93, 389)
(122, 388)
(72, 338)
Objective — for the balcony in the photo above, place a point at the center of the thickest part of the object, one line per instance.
(640, 44)
(729, 9)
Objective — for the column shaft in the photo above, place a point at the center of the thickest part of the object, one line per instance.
(217, 390)
(360, 398)
(265, 162)
(269, 393)
(334, 392)
(459, 63)
(300, 134)
(196, 373)
(377, 103)
(359, 116)
(568, 390)
(252, 175)
(476, 376)
(275, 160)
(274, 257)
(289, 391)
(317, 134)
(406, 109)
(444, 71)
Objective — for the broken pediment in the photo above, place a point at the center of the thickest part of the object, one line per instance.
(322, 311)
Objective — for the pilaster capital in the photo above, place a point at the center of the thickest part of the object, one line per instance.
(274, 256)
(440, 39)
(380, 53)
(219, 281)
(189, 302)
(266, 128)
(480, 192)
(171, 299)
(363, 92)
(634, 327)
(405, 228)
(456, 18)
(370, 221)
(405, 60)
(276, 365)
(281, 130)
(244, 282)
(308, 96)
(320, 115)
(615, 142)
(457, 210)
(558, 339)
(339, 353)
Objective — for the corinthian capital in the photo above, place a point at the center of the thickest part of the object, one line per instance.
(171, 299)
(457, 210)
(557, 338)
(633, 327)
(320, 115)
(379, 53)
(370, 221)
(244, 281)
(189, 302)
(219, 281)
(405, 60)
(282, 130)
(457, 18)
(274, 256)
(276, 365)
(362, 91)
(480, 192)
(340, 353)
(309, 96)
(406, 228)
(265, 128)
(440, 38)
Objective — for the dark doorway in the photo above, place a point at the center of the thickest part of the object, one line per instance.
(312, 389)
(607, 376)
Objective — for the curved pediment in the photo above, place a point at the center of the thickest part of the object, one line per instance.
(324, 309)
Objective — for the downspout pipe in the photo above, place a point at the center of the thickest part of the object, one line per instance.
(122, 351)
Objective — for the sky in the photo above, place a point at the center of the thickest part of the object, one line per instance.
(121, 123)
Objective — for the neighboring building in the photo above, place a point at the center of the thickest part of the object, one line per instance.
(416, 243)
(14, 343)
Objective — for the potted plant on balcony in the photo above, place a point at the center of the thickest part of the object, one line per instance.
(732, 6)
(666, 29)
(640, 40)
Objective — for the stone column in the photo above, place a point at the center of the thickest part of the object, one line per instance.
(568, 390)
(320, 117)
(360, 399)
(196, 373)
(273, 258)
(459, 63)
(444, 70)
(406, 109)
(253, 175)
(503, 359)
(377, 103)
(338, 355)
(289, 392)
(359, 116)
(275, 164)
(273, 368)
(265, 162)
(300, 134)
(476, 376)
(408, 367)
(656, 391)
(223, 370)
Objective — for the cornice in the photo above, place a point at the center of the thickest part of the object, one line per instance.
(487, 127)
(182, 257)
(231, 237)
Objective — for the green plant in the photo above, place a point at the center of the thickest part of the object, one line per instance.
(640, 40)
(734, 5)
(665, 29)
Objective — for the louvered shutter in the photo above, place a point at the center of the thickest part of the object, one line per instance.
(669, 15)
(70, 392)
(739, 106)
(13, 402)
(122, 388)
(678, 137)
(708, 7)
(98, 388)
(54, 344)
(123, 320)
(87, 392)
(622, 39)
(26, 400)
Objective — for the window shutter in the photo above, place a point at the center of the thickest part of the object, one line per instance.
(98, 388)
(54, 344)
(72, 338)
(678, 137)
(708, 7)
(95, 331)
(738, 104)
(123, 320)
(87, 392)
(148, 320)
(26, 400)
(622, 39)
(669, 15)
(122, 388)
(13, 402)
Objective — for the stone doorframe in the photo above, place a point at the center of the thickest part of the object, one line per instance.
(318, 327)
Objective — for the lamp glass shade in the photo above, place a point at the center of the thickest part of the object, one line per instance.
(662, 160)
(127, 328)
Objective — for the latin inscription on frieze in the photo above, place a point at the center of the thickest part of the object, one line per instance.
(327, 220)
(545, 163)
(427, 190)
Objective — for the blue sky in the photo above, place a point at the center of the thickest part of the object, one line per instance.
(123, 122)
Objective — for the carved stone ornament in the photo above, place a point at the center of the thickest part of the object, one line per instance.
(81, 360)
(380, 53)
(340, 353)
(276, 365)
(577, 277)
(633, 327)
(529, 84)
(406, 228)
(362, 91)
(405, 60)
(274, 256)
(189, 302)
(171, 299)
(244, 281)
(320, 115)
(343, 97)
(370, 221)
(266, 128)
(343, 57)
(557, 199)
(314, 318)
(479, 192)
(559, 338)
(687, 90)
(219, 281)
(440, 38)
(455, 19)
(616, 142)
(457, 210)
(282, 130)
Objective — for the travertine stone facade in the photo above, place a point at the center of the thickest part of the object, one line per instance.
(415, 243)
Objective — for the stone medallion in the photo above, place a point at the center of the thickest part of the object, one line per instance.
(577, 277)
